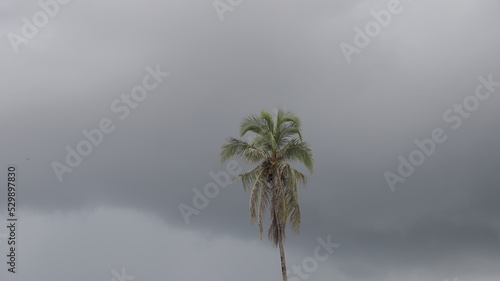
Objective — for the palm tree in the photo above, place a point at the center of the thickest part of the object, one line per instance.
(273, 182)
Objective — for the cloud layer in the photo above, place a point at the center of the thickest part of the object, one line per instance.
(119, 206)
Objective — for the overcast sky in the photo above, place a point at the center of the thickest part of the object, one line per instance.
(401, 114)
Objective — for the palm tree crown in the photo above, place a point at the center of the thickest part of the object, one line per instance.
(273, 182)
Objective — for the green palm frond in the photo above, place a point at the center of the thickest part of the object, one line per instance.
(251, 177)
(268, 120)
(294, 212)
(286, 134)
(262, 142)
(297, 150)
(252, 123)
(238, 148)
(263, 204)
(285, 116)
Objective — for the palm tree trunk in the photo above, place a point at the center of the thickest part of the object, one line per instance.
(279, 224)
(283, 262)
